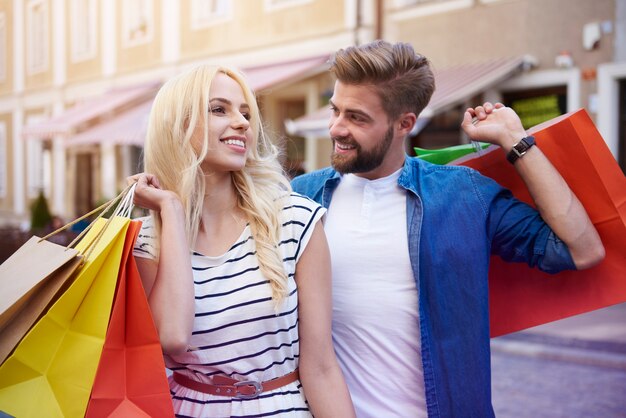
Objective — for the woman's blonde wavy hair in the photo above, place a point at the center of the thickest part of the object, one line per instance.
(180, 105)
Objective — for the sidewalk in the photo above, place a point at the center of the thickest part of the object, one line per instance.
(595, 338)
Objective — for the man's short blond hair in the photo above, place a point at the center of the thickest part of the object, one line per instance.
(402, 78)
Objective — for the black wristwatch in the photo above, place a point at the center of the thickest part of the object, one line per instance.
(520, 149)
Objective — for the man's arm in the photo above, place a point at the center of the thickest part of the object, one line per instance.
(557, 204)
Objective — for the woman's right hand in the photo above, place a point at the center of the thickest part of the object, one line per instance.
(149, 194)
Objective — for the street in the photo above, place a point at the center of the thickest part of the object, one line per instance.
(527, 387)
(550, 372)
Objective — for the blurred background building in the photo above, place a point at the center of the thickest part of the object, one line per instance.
(77, 77)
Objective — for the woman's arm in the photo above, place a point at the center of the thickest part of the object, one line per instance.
(321, 377)
(168, 283)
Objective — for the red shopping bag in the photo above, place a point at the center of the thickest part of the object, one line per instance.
(522, 297)
(131, 379)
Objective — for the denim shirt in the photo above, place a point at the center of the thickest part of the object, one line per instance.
(456, 219)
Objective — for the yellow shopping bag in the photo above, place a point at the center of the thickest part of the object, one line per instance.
(51, 371)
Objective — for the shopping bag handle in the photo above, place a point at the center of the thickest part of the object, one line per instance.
(125, 199)
(125, 208)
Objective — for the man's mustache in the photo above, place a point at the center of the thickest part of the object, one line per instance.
(346, 140)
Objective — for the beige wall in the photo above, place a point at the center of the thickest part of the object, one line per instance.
(483, 31)
(84, 69)
(6, 85)
(256, 27)
(143, 56)
(28, 113)
(45, 78)
(503, 28)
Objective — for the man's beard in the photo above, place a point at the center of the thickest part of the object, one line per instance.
(364, 161)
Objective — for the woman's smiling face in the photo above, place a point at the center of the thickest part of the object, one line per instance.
(229, 132)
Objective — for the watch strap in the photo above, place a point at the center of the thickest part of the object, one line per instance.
(520, 149)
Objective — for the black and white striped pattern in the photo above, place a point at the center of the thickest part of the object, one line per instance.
(237, 330)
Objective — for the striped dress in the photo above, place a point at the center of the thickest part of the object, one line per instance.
(237, 330)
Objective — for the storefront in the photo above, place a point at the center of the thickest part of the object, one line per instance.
(88, 150)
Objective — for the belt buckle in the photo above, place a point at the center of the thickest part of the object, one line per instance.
(258, 388)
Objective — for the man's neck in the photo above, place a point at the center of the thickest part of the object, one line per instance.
(385, 169)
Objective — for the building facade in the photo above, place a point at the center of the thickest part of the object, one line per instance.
(77, 76)
(575, 46)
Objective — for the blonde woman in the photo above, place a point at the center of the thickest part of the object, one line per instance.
(236, 266)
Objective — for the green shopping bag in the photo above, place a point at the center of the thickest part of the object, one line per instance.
(443, 156)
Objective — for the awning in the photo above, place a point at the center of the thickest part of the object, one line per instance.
(315, 124)
(458, 84)
(274, 75)
(454, 86)
(129, 128)
(88, 112)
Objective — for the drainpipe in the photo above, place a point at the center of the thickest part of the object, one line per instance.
(378, 20)
(358, 23)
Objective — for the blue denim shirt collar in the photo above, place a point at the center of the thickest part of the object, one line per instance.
(409, 172)
(329, 187)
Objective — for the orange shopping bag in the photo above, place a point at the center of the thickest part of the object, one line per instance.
(131, 380)
(522, 297)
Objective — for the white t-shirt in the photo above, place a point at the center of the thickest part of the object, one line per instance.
(375, 304)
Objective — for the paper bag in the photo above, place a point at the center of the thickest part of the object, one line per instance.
(35, 304)
(522, 297)
(25, 270)
(51, 372)
(131, 379)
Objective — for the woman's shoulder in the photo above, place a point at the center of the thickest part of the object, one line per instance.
(298, 219)
(299, 210)
(299, 206)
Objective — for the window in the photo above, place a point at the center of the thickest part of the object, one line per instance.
(84, 25)
(413, 2)
(535, 106)
(3, 47)
(209, 12)
(137, 22)
(38, 174)
(37, 36)
(281, 4)
(34, 151)
(442, 130)
(3, 160)
(409, 9)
